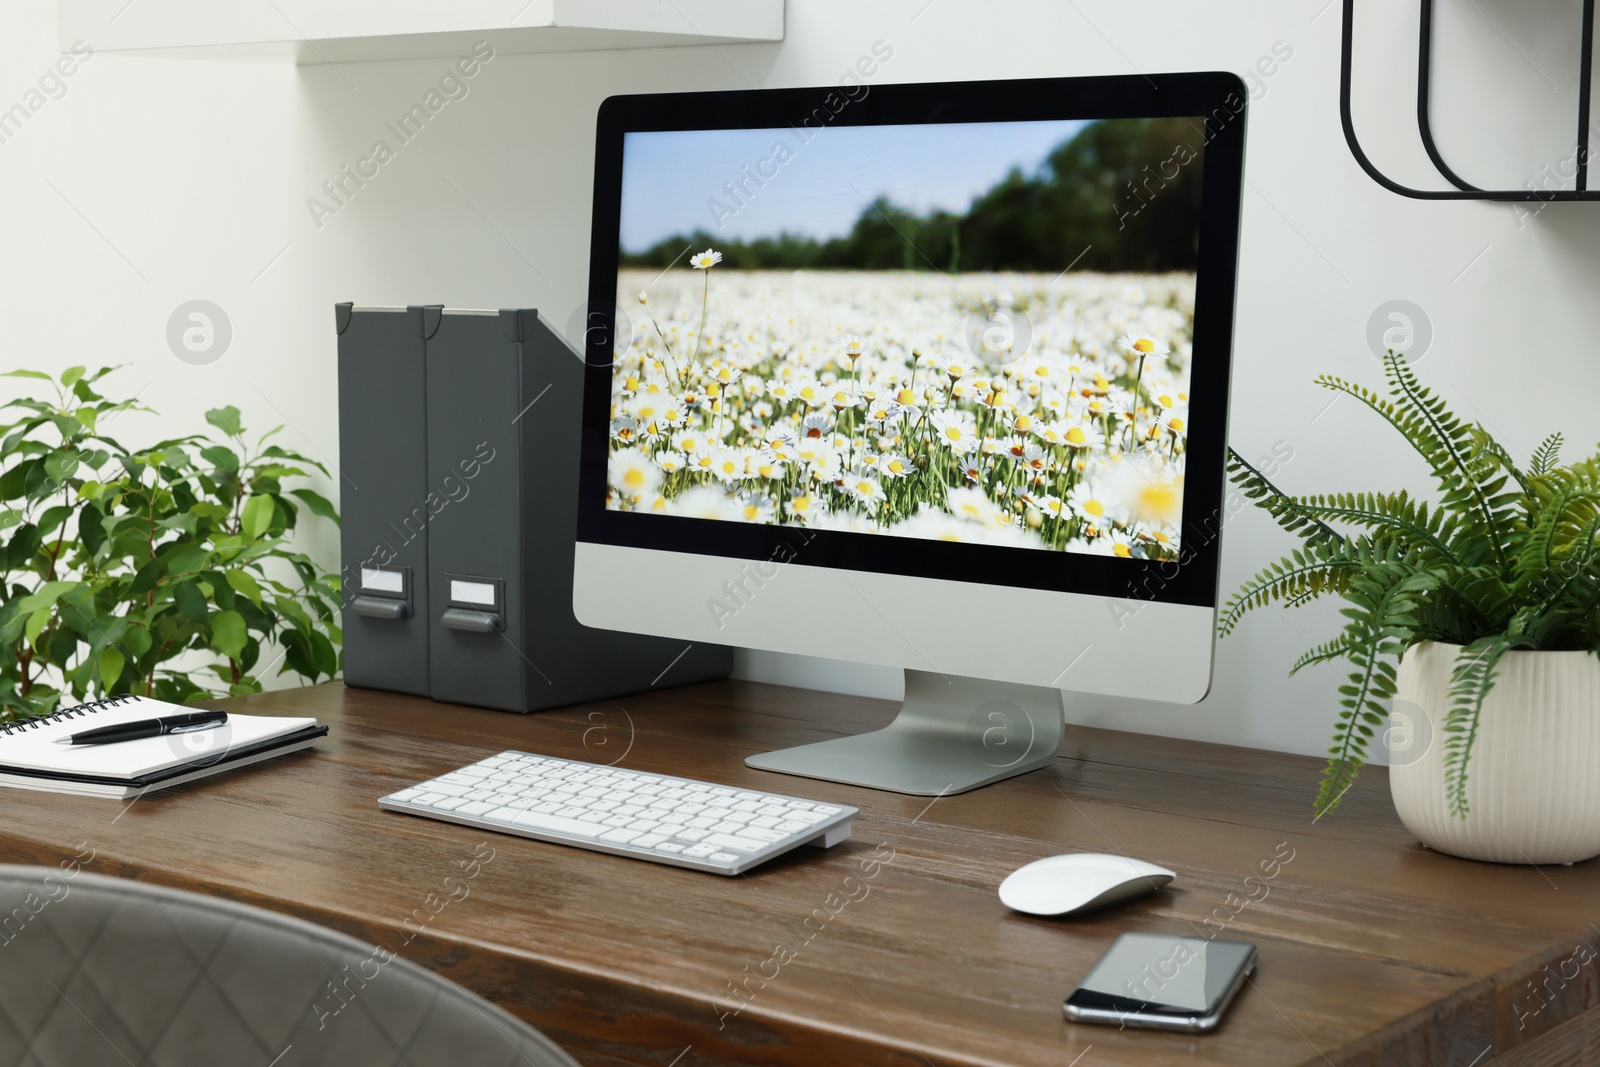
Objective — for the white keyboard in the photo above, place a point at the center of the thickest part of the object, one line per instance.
(679, 821)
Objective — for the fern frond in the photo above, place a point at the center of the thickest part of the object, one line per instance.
(1275, 502)
(1566, 507)
(1382, 602)
(1471, 678)
(1468, 482)
(1395, 512)
(1547, 455)
(1305, 573)
(1322, 653)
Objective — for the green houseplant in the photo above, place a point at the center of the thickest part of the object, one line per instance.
(1506, 559)
(164, 570)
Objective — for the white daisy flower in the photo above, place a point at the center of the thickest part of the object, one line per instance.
(705, 260)
(727, 465)
(973, 506)
(1143, 346)
(753, 507)
(671, 462)
(934, 526)
(865, 488)
(1086, 436)
(633, 474)
(1090, 500)
(816, 427)
(896, 465)
(956, 430)
(805, 506)
(705, 502)
(624, 429)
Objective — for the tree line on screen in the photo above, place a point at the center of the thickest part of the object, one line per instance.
(1123, 195)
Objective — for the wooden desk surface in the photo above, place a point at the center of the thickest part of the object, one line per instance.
(1372, 949)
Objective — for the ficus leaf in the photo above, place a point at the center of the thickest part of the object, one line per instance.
(228, 633)
(256, 516)
(111, 664)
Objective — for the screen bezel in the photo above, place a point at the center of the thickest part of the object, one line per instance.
(1190, 580)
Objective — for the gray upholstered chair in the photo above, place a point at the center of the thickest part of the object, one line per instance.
(107, 972)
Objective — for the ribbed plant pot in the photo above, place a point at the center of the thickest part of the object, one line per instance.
(1533, 782)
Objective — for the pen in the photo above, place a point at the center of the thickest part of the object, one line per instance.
(132, 731)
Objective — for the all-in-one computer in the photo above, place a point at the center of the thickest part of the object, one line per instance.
(933, 376)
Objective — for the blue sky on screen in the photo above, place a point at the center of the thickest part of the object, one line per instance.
(668, 178)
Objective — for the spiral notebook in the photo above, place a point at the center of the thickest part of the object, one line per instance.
(31, 759)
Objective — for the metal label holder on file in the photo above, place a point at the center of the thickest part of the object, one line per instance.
(385, 592)
(476, 605)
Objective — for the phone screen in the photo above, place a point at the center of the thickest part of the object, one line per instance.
(1144, 979)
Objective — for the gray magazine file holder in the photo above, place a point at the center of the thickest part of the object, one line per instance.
(383, 483)
(502, 420)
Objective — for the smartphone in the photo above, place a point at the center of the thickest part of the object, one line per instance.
(1161, 982)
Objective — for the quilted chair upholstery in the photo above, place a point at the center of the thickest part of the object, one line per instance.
(107, 972)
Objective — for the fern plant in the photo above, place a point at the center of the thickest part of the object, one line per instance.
(1504, 558)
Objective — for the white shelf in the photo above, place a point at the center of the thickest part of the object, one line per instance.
(340, 31)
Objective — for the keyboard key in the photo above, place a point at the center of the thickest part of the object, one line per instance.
(503, 814)
(824, 809)
(474, 807)
(648, 840)
(428, 800)
(621, 837)
(723, 857)
(669, 846)
(793, 827)
(689, 835)
(727, 828)
(449, 804)
(408, 794)
(801, 804)
(700, 852)
(736, 844)
(534, 820)
(766, 821)
(761, 834)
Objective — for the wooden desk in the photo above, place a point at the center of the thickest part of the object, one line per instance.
(1373, 950)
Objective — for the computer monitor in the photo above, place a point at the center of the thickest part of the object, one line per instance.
(926, 375)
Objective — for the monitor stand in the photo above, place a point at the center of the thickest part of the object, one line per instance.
(952, 734)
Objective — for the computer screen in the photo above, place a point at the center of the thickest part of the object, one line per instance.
(970, 332)
(956, 355)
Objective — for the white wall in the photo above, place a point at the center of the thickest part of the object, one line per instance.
(157, 181)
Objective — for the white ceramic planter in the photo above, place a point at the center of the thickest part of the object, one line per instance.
(1533, 782)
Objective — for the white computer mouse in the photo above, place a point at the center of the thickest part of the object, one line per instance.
(1079, 882)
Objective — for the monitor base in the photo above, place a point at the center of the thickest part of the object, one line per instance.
(952, 734)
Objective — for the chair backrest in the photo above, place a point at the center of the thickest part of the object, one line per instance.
(108, 971)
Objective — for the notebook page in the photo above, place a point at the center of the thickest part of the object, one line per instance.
(35, 748)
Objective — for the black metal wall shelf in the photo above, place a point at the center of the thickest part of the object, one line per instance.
(1464, 190)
